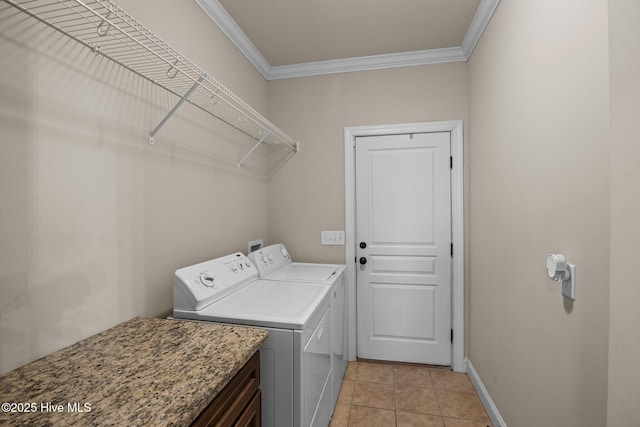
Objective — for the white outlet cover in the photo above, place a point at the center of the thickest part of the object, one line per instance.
(569, 286)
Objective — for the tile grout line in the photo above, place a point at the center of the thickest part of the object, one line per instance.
(355, 374)
(435, 391)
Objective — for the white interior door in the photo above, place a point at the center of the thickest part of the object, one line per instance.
(403, 239)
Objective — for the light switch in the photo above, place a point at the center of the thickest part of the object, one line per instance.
(332, 237)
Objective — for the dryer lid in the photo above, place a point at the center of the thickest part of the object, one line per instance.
(307, 272)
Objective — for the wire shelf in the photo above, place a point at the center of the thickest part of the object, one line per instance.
(108, 30)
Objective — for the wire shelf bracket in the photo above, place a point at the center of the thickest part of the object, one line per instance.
(171, 112)
(246, 156)
(108, 30)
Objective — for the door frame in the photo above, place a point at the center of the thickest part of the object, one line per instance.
(455, 127)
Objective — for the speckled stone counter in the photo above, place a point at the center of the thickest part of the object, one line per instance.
(144, 372)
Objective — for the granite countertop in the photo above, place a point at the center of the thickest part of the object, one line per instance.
(142, 372)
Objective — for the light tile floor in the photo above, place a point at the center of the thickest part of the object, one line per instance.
(379, 394)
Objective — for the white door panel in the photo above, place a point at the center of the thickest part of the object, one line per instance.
(400, 311)
(399, 195)
(402, 264)
(403, 204)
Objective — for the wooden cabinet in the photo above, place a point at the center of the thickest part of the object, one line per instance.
(238, 404)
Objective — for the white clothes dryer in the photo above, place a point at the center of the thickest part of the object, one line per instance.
(274, 263)
(295, 361)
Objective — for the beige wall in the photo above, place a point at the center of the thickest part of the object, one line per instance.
(540, 183)
(94, 220)
(307, 194)
(624, 294)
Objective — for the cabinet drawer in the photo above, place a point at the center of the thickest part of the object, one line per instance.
(252, 415)
(228, 408)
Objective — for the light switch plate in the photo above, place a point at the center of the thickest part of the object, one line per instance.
(332, 237)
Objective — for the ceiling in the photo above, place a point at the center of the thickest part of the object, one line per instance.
(293, 38)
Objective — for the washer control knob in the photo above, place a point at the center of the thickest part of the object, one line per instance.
(284, 253)
(207, 279)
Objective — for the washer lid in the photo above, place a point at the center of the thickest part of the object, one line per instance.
(285, 305)
(308, 272)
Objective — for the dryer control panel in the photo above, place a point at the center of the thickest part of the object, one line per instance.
(270, 259)
(200, 285)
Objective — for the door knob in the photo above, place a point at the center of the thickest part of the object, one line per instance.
(363, 260)
(363, 245)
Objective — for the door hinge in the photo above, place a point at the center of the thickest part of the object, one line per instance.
(451, 249)
(450, 162)
(451, 335)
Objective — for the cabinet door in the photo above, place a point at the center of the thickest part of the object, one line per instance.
(229, 406)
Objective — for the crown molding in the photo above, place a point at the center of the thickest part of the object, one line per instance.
(228, 26)
(480, 20)
(366, 63)
(225, 22)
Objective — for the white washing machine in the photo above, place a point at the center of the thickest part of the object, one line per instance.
(274, 263)
(295, 361)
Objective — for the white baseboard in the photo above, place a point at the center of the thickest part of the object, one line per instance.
(483, 394)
